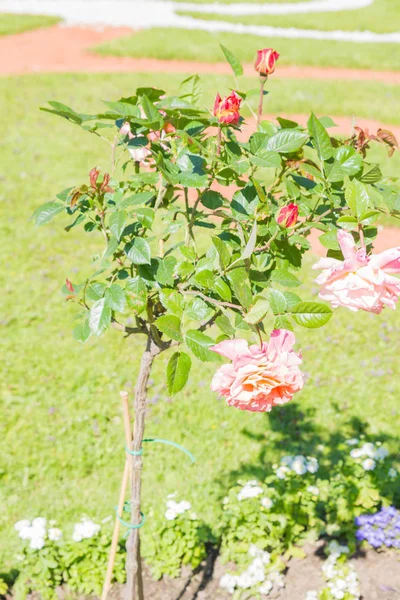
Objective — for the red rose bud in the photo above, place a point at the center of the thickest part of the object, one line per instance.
(227, 110)
(69, 285)
(93, 175)
(265, 61)
(287, 216)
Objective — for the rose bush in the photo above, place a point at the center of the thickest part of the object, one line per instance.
(202, 226)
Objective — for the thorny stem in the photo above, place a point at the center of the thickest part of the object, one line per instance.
(219, 140)
(263, 81)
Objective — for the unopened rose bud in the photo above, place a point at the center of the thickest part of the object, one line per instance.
(265, 61)
(287, 216)
(227, 109)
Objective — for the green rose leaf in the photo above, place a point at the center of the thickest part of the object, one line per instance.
(117, 223)
(178, 369)
(171, 326)
(311, 314)
(199, 344)
(357, 197)
(46, 212)
(320, 138)
(82, 332)
(115, 297)
(287, 140)
(258, 311)
(277, 301)
(233, 61)
(99, 317)
(212, 200)
(138, 251)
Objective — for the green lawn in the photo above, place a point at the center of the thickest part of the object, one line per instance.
(382, 16)
(61, 440)
(179, 44)
(10, 23)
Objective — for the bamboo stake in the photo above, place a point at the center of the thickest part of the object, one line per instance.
(124, 484)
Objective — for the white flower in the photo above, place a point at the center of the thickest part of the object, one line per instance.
(311, 595)
(176, 508)
(356, 453)
(287, 461)
(313, 490)
(39, 522)
(256, 552)
(392, 473)
(170, 514)
(381, 453)
(228, 582)
(369, 449)
(266, 587)
(54, 534)
(267, 502)
(312, 465)
(225, 500)
(84, 530)
(281, 472)
(21, 525)
(299, 465)
(369, 464)
(278, 579)
(352, 442)
(250, 490)
(37, 542)
(335, 550)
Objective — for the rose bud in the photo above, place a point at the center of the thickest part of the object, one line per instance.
(265, 61)
(287, 216)
(227, 109)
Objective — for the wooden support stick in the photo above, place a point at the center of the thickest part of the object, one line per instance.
(124, 484)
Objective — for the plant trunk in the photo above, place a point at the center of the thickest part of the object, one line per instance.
(134, 580)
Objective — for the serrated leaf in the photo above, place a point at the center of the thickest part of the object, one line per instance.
(287, 140)
(115, 297)
(284, 278)
(222, 289)
(222, 251)
(117, 223)
(173, 301)
(233, 61)
(165, 270)
(177, 373)
(146, 216)
(43, 214)
(329, 240)
(311, 314)
(81, 332)
(239, 279)
(357, 197)
(198, 310)
(171, 326)
(211, 199)
(283, 322)
(225, 325)
(137, 291)
(277, 301)
(138, 252)
(137, 199)
(95, 290)
(99, 317)
(258, 311)
(320, 138)
(199, 344)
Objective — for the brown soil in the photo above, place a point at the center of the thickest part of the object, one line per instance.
(379, 575)
(68, 49)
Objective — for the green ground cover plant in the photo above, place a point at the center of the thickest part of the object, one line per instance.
(178, 44)
(10, 23)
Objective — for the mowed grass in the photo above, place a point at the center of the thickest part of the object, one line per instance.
(61, 432)
(382, 16)
(180, 44)
(10, 23)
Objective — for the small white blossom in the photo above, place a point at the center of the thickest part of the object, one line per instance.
(312, 465)
(353, 441)
(228, 582)
(170, 514)
(299, 465)
(37, 542)
(278, 579)
(392, 473)
(356, 453)
(311, 595)
(336, 549)
(176, 508)
(381, 453)
(281, 472)
(21, 525)
(266, 588)
(84, 530)
(39, 522)
(369, 464)
(313, 490)
(54, 534)
(267, 502)
(250, 490)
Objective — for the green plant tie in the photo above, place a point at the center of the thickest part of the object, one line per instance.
(161, 441)
(127, 508)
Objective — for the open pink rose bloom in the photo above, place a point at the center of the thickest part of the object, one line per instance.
(360, 281)
(259, 378)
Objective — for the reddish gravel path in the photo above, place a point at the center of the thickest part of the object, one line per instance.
(61, 49)
(67, 49)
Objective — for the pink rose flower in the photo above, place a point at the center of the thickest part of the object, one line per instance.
(287, 216)
(227, 109)
(259, 378)
(360, 281)
(265, 61)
